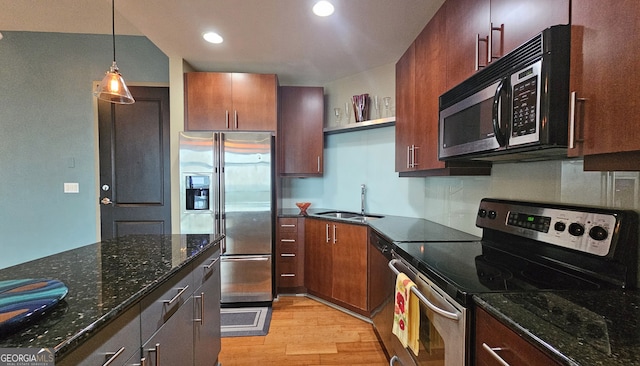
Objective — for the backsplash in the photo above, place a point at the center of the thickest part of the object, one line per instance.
(367, 157)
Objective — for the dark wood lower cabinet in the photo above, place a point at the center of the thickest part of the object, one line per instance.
(495, 341)
(336, 263)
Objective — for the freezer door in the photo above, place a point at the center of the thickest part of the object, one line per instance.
(246, 279)
(247, 197)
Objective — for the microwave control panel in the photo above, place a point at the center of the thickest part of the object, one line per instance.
(525, 97)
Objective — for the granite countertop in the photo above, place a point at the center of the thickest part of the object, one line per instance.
(574, 327)
(104, 279)
(396, 228)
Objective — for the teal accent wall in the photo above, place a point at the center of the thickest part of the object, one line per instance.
(47, 134)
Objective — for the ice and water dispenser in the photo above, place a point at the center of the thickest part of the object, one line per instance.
(197, 192)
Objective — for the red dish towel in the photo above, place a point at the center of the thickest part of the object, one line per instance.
(406, 317)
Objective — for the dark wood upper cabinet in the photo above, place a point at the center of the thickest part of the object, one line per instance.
(405, 96)
(230, 101)
(481, 31)
(606, 82)
(522, 20)
(420, 80)
(467, 29)
(300, 136)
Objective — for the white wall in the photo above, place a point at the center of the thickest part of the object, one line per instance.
(358, 157)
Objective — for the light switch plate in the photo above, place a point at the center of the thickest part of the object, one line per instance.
(71, 188)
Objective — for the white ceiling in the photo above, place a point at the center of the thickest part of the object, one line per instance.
(263, 36)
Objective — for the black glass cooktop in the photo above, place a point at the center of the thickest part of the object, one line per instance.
(466, 268)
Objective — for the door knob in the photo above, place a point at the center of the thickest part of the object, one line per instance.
(106, 201)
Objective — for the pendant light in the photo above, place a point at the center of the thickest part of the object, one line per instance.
(112, 87)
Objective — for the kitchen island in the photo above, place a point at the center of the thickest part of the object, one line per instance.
(105, 280)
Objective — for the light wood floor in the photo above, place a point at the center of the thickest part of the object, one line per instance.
(304, 331)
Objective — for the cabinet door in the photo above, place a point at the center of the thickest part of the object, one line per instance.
(349, 261)
(206, 330)
(523, 19)
(172, 344)
(300, 136)
(318, 257)
(467, 21)
(207, 101)
(405, 98)
(430, 83)
(254, 102)
(604, 63)
(514, 350)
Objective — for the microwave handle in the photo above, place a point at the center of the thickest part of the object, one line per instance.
(502, 138)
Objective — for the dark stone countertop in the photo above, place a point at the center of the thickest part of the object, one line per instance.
(574, 327)
(396, 228)
(104, 279)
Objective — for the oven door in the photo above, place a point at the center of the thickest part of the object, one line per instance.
(467, 127)
(443, 336)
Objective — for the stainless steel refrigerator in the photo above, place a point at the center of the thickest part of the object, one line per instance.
(226, 185)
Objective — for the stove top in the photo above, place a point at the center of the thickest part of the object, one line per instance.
(533, 247)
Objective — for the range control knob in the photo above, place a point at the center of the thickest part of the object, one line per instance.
(598, 233)
(560, 226)
(492, 214)
(576, 229)
(482, 213)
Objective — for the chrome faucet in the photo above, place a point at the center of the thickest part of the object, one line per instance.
(362, 190)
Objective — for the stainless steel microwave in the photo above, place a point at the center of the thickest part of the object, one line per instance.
(517, 108)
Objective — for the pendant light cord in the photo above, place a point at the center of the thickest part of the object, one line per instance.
(113, 29)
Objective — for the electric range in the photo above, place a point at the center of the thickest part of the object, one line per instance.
(525, 247)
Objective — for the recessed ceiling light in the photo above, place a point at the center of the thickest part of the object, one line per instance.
(212, 37)
(323, 8)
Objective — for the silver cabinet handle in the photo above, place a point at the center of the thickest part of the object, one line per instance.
(156, 350)
(318, 163)
(572, 119)
(477, 58)
(287, 255)
(288, 275)
(415, 156)
(490, 56)
(112, 356)
(327, 232)
(408, 157)
(213, 262)
(335, 238)
(393, 360)
(423, 299)
(180, 292)
(287, 225)
(288, 240)
(226, 118)
(235, 118)
(492, 352)
(201, 319)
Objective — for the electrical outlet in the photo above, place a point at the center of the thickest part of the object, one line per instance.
(71, 188)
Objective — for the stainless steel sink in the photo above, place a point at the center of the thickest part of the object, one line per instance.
(349, 215)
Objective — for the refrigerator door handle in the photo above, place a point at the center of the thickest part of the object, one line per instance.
(244, 258)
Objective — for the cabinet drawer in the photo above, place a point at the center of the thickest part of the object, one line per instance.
(289, 280)
(204, 268)
(163, 302)
(287, 248)
(118, 340)
(513, 349)
(288, 225)
(287, 263)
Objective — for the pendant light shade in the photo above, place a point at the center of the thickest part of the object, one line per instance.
(112, 88)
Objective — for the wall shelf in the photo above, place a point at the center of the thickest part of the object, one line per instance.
(357, 126)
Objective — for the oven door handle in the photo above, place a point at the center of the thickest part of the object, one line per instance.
(423, 299)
